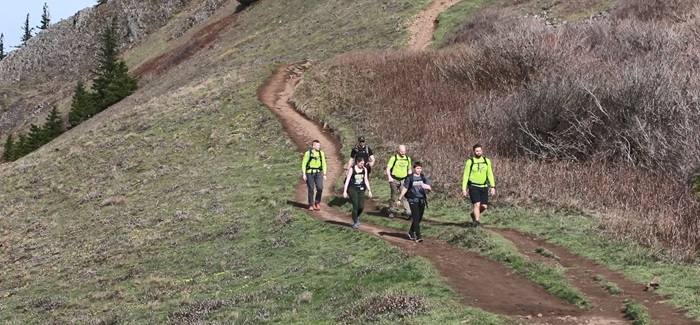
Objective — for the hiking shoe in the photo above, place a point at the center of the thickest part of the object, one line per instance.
(391, 214)
(317, 206)
(311, 207)
(477, 224)
(411, 236)
(356, 225)
(418, 240)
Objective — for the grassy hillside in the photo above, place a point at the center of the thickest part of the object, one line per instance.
(591, 127)
(171, 206)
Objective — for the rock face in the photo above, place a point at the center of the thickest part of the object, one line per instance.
(52, 61)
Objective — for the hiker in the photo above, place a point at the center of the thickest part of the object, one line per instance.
(414, 189)
(313, 171)
(397, 169)
(356, 182)
(478, 179)
(361, 150)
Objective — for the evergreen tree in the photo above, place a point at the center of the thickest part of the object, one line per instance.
(107, 65)
(20, 148)
(112, 82)
(45, 18)
(101, 2)
(7, 152)
(82, 107)
(53, 126)
(27, 31)
(2, 46)
(35, 139)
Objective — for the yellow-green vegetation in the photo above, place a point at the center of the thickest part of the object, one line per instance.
(637, 313)
(610, 287)
(546, 253)
(172, 206)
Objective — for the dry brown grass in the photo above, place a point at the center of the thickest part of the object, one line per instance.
(597, 116)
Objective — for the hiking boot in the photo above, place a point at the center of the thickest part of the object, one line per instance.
(411, 235)
(419, 240)
(391, 214)
(356, 225)
(317, 206)
(477, 224)
(311, 207)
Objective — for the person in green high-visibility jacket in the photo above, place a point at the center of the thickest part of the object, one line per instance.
(478, 182)
(398, 168)
(313, 171)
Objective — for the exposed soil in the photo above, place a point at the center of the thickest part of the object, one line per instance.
(424, 24)
(479, 282)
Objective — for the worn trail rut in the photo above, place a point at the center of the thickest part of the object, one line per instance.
(480, 282)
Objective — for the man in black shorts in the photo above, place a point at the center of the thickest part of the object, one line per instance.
(478, 178)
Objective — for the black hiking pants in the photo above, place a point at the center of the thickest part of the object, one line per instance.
(417, 209)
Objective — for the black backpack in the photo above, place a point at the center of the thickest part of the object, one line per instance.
(409, 194)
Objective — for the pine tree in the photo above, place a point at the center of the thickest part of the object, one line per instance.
(36, 138)
(45, 18)
(27, 31)
(112, 82)
(53, 126)
(20, 148)
(2, 46)
(107, 65)
(7, 152)
(82, 107)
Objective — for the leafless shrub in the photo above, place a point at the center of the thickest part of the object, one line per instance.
(646, 10)
(598, 116)
(391, 306)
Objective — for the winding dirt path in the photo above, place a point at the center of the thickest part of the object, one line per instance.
(424, 24)
(479, 282)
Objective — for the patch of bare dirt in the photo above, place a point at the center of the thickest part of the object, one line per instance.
(424, 24)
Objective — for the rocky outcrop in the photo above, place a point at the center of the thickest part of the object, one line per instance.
(67, 51)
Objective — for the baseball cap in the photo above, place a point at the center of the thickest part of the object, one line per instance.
(361, 138)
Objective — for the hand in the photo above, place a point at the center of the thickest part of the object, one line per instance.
(398, 202)
(464, 193)
(492, 191)
(325, 177)
(369, 194)
(390, 179)
(303, 176)
(345, 195)
(371, 164)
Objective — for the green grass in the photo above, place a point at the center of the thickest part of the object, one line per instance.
(610, 287)
(497, 248)
(546, 253)
(453, 17)
(637, 313)
(586, 237)
(173, 206)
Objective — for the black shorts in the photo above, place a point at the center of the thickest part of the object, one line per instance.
(479, 194)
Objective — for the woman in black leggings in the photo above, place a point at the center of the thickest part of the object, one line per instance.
(356, 182)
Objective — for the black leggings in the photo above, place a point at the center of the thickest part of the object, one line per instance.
(417, 209)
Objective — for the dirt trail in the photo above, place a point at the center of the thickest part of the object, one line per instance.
(424, 24)
(479, 282)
